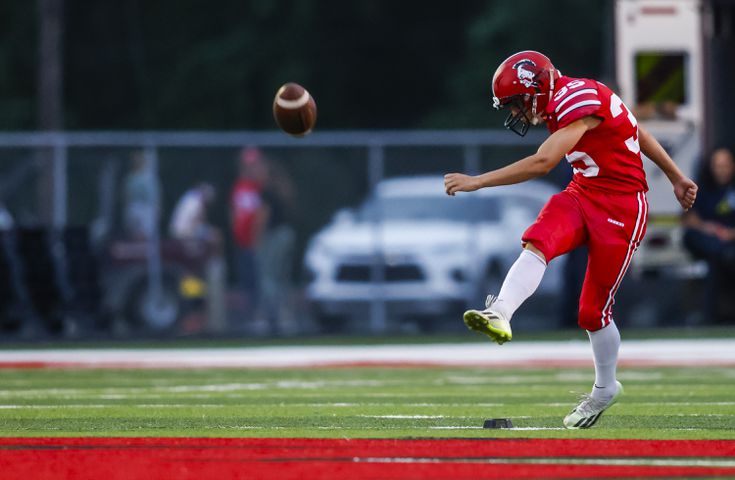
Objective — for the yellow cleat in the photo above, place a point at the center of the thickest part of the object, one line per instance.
(489, 323)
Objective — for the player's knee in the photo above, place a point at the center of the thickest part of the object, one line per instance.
(590, 318)
(532, 248)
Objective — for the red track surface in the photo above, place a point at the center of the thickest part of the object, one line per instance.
(288, 458)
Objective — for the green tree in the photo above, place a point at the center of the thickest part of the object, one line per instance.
(568, 31)
(196, 64)
(18, 46)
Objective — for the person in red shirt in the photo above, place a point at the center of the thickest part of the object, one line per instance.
(248, 221)
(604, 206)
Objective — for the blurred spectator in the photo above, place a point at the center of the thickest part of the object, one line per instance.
(276, 248)
(248, 221)
(141, 198)
(189, 223)
(710, 227)
(189, 219)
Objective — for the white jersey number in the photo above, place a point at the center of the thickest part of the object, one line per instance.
(616, 108)
(591, 168)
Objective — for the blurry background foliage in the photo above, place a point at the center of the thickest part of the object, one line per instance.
(195, 64)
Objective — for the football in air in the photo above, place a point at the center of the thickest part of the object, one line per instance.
(294, 110)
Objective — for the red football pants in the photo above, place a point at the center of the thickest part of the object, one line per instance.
(612, 226)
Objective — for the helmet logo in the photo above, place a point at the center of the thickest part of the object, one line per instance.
(525, 76)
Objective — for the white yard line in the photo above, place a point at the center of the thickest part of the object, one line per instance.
(460, 427)
(689, 353)
(82, 406)
(643, 461)
(403, 417)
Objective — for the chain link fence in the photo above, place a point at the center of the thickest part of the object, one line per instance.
(257, 233)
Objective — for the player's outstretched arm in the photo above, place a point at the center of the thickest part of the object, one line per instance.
(685, 189)
(540, 163)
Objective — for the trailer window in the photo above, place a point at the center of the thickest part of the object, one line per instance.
(660, 78)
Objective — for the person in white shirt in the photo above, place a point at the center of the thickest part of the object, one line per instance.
(189, 219)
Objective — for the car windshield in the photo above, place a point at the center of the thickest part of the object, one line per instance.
(460, 208)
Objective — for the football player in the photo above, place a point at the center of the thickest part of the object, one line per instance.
(604, 206)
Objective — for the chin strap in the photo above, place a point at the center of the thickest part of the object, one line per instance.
(551, 83)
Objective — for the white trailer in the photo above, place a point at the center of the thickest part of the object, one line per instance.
(659, 57)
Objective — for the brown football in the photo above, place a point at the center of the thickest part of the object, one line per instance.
(294, 110)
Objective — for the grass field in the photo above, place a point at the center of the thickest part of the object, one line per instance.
(660, 403)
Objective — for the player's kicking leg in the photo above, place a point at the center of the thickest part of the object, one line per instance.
(558, 229)
(522, 280)
(489, 322)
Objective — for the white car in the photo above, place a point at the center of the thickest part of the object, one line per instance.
(420, 252)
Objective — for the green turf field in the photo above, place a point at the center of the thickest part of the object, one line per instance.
(660, 403)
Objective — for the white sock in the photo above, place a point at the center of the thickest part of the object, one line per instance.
(605, 345)
(522, 280)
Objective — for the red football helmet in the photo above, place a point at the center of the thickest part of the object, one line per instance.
(525, 80)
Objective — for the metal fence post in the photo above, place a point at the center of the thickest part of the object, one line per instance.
(58, 223)
(472, 165)
(59, 183)
(155, 290)
(472, 159)
(378, 321)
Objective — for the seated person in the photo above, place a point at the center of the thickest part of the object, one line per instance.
(710, 225)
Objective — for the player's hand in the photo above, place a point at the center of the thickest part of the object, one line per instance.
(686, 192)
(459, 182)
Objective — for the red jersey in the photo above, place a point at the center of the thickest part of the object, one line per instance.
(245, 203)
(607, 157)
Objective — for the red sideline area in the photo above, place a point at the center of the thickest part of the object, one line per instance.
(289, 458)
